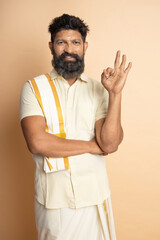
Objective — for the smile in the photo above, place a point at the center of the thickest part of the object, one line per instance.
(68, 58)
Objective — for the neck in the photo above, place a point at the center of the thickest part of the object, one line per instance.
(71, 80)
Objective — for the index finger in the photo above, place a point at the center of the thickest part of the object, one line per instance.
(117, 60)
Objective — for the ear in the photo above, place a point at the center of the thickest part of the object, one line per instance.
(51, 46)
(85, 47)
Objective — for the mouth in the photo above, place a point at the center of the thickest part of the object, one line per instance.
(68, 58)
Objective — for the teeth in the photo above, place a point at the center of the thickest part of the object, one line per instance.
(69, 58)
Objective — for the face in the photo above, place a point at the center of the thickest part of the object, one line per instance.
(68, 52)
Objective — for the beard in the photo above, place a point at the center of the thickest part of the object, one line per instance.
(68, 69)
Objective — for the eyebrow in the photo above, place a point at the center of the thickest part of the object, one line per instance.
(76, 39)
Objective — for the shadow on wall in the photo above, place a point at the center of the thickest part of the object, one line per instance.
(18, 187)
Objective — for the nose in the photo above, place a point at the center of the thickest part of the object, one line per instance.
(68, 48)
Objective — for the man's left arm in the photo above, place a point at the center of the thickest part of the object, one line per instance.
(109, 132)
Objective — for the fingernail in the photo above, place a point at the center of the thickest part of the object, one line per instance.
(107, 75)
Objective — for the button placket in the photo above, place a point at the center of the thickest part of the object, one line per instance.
(69, 103)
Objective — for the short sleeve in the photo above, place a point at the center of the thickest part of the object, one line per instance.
(102, 103)
(29, 105)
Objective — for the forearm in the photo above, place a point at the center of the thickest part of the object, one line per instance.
(111, 132)
(50, 145)
(43, 143)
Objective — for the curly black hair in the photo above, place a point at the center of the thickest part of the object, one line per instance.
(66, 22)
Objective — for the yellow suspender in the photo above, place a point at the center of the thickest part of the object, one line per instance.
(59, 113)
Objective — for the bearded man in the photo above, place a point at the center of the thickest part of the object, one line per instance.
(70, 122)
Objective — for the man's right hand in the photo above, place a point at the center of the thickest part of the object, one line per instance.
(95, 149)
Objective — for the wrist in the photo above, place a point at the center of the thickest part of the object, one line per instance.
(90, 146)
(115, 96)
(112, 94)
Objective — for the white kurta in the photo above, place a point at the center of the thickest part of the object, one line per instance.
(85, 183)
(70, 203)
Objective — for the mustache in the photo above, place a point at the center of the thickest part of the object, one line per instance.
(73, 55)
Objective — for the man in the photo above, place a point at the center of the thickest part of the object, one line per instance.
(70, 122)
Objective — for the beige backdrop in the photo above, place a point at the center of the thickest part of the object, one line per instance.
(129, 25)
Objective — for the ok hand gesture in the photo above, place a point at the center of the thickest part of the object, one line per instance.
(114, 79)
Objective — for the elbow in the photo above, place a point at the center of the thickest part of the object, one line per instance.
(110, 148)
(33, 150)
(33, 146)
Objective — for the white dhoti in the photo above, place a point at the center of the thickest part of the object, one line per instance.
(86, 223)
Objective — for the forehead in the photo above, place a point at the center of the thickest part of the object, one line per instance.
(68, 34)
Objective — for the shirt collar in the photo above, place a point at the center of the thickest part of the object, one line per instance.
(55, 75)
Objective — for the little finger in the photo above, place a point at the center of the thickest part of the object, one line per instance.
(128, 68)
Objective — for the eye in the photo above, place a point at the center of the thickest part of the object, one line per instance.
(60, 42)
(76, 42)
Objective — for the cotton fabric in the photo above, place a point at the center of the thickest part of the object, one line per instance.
(50, 103)
(86, 182)
(87, 223)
